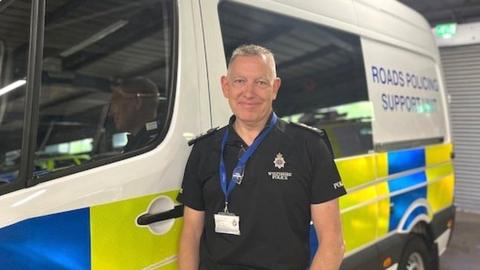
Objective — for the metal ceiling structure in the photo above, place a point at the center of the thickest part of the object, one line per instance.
(441, 11)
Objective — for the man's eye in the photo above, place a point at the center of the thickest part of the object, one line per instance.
(262, 83)
(239, 81)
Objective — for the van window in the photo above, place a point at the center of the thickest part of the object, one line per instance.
(322, 72)
(14, 42)
(106, 80)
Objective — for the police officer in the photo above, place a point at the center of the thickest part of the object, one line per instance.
(134, 107)
(251, 188)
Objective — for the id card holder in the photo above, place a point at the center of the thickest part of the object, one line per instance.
(227, 223)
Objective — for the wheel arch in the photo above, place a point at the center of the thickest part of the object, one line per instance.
(418, 212)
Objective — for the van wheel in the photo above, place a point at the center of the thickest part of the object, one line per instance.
(416, 255)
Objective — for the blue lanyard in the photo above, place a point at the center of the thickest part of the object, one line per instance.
(239, 169)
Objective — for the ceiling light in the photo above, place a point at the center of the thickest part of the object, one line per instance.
(12, 86)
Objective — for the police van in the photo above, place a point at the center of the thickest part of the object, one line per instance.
(366, 71)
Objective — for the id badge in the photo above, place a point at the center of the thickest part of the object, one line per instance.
(227, 223)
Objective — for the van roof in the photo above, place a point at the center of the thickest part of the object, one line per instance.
(386, 20)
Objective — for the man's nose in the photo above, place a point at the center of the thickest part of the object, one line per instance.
(249, 89)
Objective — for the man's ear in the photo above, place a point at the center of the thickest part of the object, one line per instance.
(225, 86)
(276, 86)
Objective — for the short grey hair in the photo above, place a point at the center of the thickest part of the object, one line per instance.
(253, 50)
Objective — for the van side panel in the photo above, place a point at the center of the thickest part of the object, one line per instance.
(397, 21)
(407, 185)
(57, 241)
(404, 91)
(114, 236)
(99, 237)
(341, 10)
(440, 176)
(359, 211)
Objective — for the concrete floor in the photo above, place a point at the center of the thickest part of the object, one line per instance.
(463, 252)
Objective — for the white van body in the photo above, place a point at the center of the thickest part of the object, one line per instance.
(89, 218)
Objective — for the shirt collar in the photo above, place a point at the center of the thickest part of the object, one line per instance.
(233, 118)
(234, 138)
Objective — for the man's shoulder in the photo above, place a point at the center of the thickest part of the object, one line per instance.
(311, 135)
(306, 129)
(204, 136)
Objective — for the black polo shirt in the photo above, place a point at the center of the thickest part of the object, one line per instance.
(290, 170)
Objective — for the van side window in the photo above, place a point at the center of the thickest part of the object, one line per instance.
(322, 72)
(14, 42)
(106, 80)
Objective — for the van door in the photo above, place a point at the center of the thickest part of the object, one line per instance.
(101, 192)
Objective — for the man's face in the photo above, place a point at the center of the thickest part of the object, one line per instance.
(250, 87)
(122, 110)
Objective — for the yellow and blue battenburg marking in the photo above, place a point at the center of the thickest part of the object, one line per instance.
(381, 188)
(99, 237)
(388, 191)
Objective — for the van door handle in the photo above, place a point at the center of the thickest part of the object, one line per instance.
(147, 219)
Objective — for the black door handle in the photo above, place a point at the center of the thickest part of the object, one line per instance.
(147, 219)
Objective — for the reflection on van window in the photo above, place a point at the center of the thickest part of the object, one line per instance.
(14, 33)
(105, 82)
(322, 72)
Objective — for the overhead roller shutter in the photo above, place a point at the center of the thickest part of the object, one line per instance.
(462, 74)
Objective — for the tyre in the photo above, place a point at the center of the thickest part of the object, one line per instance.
(417, 256)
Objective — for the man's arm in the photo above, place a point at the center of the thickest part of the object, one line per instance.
(188, 254)
(326, 219)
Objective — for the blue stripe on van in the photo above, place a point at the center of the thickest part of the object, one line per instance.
(403, 160)
(402, 201)
(58, 241)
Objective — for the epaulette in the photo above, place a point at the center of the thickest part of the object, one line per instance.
(202, 135)
(321, 132)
